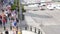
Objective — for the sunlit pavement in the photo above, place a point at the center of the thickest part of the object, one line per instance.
(47, 17)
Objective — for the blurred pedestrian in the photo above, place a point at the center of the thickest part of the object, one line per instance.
(19, 32)
(16, 20)
(2, 2)
(4, 21)
(1, 33)
(6, 12)
(0, 20)
(14, 24)
(3, 18)
(6, 32)
(3, 14)
(8, 7)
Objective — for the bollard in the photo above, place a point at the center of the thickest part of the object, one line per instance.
(35, 29)
(30, 28)
(25, 28)
(38, 31)
(4, 27)
(10, 27)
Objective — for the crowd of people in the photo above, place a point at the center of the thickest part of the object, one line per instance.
(11, 15)
(8, 14)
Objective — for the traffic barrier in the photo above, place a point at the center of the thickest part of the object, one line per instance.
(35, 29)
(38, 31)
(25, 28)
(30, 28)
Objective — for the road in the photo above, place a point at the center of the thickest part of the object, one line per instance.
(46, 17)
(49, 20)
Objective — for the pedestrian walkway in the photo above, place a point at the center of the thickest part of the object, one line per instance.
(23, 32)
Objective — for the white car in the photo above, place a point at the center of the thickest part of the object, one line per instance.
(42, 4)
(57, 7)
(51, 7)
(34, 5)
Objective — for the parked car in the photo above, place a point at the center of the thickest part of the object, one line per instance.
(51, 6)
(57, 7)
(42, 4)
(34, 5)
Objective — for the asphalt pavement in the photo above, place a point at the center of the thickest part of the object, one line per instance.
(49, 20)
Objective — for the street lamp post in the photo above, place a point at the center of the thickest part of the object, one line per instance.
(20, 14)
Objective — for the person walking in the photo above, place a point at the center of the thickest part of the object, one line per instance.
(2, 2)
(18, 31)
(14, 24)
(3, 18)
(0, 20)
(6, 13)
(6, 32)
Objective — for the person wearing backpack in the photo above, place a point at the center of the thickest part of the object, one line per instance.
(14, 24)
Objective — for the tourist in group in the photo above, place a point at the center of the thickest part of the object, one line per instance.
(19, 32)
(0, 20)
(14, 24)
(6, 12)
(6, 32)
(3, 18)
(3, 14)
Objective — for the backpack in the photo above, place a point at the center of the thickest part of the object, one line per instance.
(15, 23)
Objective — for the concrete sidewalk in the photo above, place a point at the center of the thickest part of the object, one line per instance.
(23, 32)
